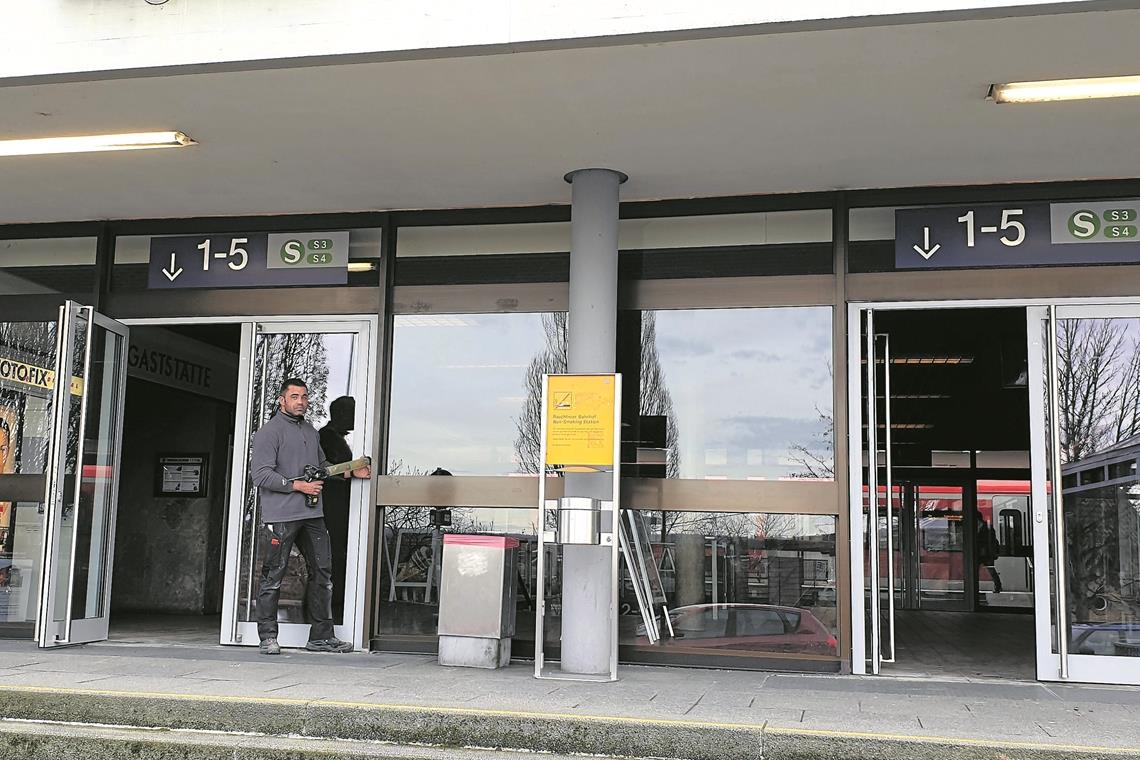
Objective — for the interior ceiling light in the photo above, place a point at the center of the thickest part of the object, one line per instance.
(361, 266)
(932, 360)
(925, 360)
(93, 143)
(1065, 89)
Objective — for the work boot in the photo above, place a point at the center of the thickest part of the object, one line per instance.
(270, 646)
(332, 644)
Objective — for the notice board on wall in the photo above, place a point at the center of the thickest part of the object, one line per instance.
(181, 475)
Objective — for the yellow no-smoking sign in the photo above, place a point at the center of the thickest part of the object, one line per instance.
(580, 419)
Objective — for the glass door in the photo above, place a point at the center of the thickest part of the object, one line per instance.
(336, 360)
(937, 526)
(1085, 400)
(88, 385)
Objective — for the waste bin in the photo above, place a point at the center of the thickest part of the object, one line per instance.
(477, 600)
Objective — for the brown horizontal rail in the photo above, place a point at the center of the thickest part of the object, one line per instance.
(815, 497)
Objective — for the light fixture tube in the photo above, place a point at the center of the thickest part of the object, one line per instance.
(1065, 89)
(92, 143)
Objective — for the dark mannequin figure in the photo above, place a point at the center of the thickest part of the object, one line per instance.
(342, 415)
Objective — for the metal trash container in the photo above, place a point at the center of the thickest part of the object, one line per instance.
(579, 520)
(477, 600)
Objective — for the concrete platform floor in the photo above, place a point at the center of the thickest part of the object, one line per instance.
(1022, 718)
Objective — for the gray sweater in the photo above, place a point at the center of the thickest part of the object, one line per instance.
(281, 449)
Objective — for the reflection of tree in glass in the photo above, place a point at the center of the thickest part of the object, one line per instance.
(297, 355)
(818, 461)
(733, 525)
(550, 361)
(405, 518)
(1098, 378)
(654, 395)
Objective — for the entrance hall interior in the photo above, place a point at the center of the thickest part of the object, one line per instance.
(170, 537)
(961, 540)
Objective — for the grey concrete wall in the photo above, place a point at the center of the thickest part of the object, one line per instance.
(167, 549)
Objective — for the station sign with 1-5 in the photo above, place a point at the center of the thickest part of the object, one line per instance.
(248, 260)
(1018, 234)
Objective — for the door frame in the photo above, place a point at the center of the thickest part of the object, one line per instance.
(913, 481)
(361, 551)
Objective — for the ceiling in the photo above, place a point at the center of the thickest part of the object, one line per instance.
(958, 381)
(886, 106)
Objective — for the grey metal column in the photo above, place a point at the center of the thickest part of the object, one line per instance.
(590, 347)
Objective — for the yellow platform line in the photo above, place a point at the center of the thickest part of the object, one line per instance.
(530, 715)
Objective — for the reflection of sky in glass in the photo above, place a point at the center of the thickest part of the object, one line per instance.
(457, 389)
(747, 386)
(339, 348)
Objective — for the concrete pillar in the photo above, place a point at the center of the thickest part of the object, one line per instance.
(590, 347)
(689, 560)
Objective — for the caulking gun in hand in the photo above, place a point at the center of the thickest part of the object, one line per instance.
(313, 473)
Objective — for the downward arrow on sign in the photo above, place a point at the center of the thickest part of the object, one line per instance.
(925, 251)
(172, 273)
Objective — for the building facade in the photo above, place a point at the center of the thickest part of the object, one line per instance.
(838, 271)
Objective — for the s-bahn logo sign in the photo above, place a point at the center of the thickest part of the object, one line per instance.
(1018, 234)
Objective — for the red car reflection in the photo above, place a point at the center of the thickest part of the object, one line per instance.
(748, 627)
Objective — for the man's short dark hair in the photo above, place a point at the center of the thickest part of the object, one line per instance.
(293, 381)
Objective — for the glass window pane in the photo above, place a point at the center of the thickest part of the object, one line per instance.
(98, 479)
(413, 555)
(47, 265)
(27, 352)
(727, 245)
(753, 583)
(1099, 359)
(1122, 469)
(743, 393)
(466, 390)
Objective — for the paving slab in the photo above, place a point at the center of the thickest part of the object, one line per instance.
(687, 713)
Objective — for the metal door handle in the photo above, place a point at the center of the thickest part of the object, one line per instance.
(1056, 501)
(889, 491)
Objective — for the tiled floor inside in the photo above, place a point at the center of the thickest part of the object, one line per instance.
(138, 629)
(965, 644)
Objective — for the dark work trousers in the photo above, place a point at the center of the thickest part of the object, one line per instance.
(312, 539)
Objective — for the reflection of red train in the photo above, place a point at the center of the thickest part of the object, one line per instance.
(932, 532)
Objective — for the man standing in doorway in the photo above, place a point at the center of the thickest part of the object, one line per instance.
(281, 450)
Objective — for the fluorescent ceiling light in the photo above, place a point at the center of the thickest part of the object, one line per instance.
(932, 360)
(1065, 89)
(92, 143)
(925, 360)
(424, 320)
(361, 266)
